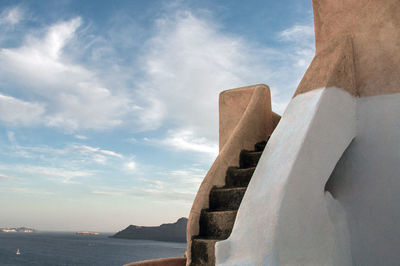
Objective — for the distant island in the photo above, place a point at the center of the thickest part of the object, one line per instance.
(18, 230)
(172, 232)
(87, 233)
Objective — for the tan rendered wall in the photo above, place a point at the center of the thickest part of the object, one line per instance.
(275, 120)
(371, 30)
(245, 119)
(232, 105)
(160, 262)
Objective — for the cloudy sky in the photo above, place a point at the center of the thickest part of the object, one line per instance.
(109, 109)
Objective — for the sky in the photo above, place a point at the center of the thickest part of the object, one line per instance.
(109, 109)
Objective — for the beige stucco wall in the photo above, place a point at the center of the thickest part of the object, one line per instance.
(245, 119)
(331, 67)
(232, 105)
(372, 27)
(160, 262)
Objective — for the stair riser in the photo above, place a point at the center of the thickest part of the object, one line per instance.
(249, 159)
(203, 252)
(236, 177)
(217, 225)
(261, 145)
(226, 199)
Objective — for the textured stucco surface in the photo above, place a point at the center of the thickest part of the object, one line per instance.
(255, 125)
(160, 262)
(366, 182)
(331, 67)
(285, 217)
(373, 26)
(232, 105)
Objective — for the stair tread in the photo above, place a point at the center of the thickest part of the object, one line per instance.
(238, 169)
(260, 146)
(253, 152)
(226, 198)
(206, 239)
(223, 189)
(217, 223)
(218, 211)
(238, 177)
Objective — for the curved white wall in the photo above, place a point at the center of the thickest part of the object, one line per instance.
(285, 217)
(366, 182)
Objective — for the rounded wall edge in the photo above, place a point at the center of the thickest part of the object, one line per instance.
(232, 105)
(254, 125)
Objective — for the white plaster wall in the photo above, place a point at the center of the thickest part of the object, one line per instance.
(285, 217)
(366, 182)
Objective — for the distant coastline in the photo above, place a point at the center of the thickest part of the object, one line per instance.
(87, 233)
(172, 232)
(18, 230)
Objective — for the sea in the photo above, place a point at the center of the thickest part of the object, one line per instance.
(69, 249)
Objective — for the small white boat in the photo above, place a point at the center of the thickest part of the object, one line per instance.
(18, 252)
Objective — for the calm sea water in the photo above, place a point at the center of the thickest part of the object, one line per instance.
(53, 249)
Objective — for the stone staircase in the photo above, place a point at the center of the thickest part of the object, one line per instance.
(216, 223)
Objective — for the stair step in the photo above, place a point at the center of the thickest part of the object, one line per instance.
(226, 198)
(216, 224)
(236, 177)
(249, 158)
(260, 146)
(203, 251)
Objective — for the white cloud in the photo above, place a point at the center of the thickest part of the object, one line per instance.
(11, 15)
(8, 177)
(185, 140)
(94, 150)
(130, 165)
(11, 136)
(132, 140)
(176, 185)
(167, 186)
(58, 174)
(81, 137)
(26, 190)
(301, 37)
(71, 155)
(296, 51)
(15, 111)
(190, 61)
(179, 196)
(75, 97)
(190, 176)
(65, 165)
(107, 193)
(187, 63)
(183, 66)
(102, 190)
(298, 33)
